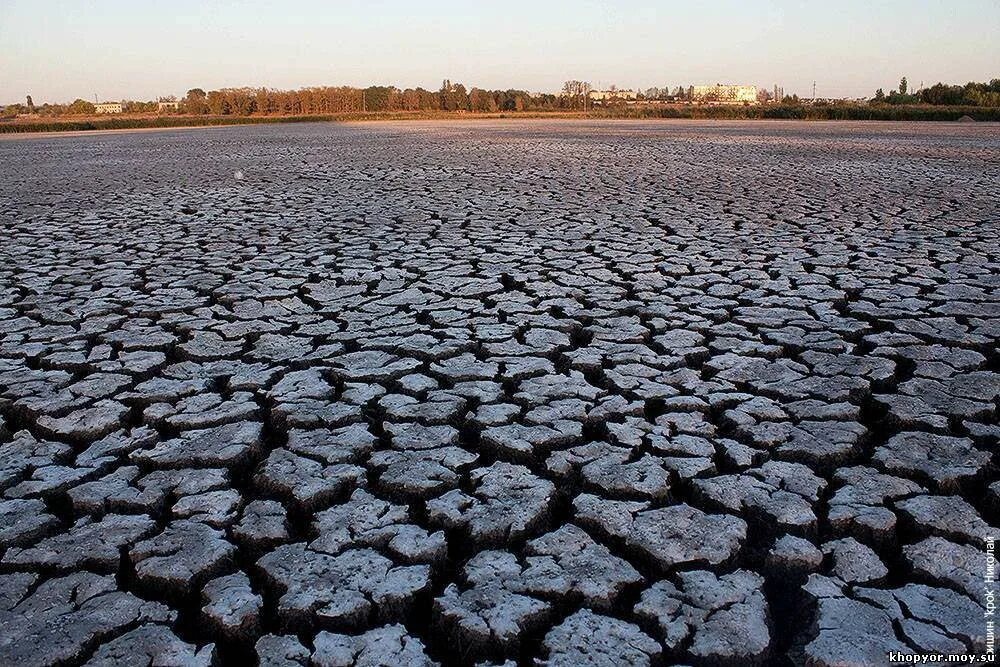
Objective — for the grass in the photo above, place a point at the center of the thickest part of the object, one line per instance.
(808, 112)
(787, 112)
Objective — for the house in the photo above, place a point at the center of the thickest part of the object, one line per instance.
(168, 105)
(723, 94)
(608, 96)
(108, 107)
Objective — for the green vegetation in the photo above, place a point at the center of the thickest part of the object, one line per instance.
(79, 106)
(775, 112)
(229, 106)
(972, 94)
(790, 111)
(326, 100)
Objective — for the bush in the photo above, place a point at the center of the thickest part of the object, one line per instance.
(771, 112)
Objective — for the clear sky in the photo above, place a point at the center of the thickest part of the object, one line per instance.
(59, 50)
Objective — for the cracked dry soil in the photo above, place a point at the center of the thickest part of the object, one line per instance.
(559, 393)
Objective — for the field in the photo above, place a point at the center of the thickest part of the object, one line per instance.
(581, 392)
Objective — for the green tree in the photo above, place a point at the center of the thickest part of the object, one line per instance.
(482, 101)
(879, 95)
(461, 97)
(942, 94)
(453, 97)
(379, 98)
(446, 95)
(135, 106)
(902, 86)
(80, 107)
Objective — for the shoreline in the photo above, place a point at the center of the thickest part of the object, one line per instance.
(53, 134)
(91, 126)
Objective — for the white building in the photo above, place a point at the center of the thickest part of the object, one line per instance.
(724, 94)
(168, 105)
(613, 95)
(108, 107)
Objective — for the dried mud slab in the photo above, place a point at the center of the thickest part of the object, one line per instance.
(499, 393)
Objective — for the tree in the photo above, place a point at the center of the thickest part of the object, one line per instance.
(879, 95)
(411, 100)
(263, 101)
(31, 105)
(453, 97)
(194, 101)
(135, 106)
(576, 93)
(482, 101)
(447, 99)
(381, 98)
(216, 103)
(942, 94)
(12, 110)
(239, 101)
(461, 97)
(902, 86)
(80, 107)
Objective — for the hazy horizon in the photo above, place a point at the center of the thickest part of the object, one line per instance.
(59, 51)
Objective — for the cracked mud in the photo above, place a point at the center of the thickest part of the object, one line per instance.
(498, 393)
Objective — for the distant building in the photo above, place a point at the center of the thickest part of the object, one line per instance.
(169, 105)
(108, 107)
(723, 94)
(605, 96)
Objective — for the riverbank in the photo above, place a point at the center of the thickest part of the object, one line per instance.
(777, 112)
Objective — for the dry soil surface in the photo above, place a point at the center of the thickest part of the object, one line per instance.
(565, 393)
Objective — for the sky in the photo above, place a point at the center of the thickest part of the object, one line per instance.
(59, 50)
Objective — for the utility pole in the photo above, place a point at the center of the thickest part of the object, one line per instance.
(364, 102)
(814, 91)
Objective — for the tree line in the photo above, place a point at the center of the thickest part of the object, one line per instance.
(324, 100)
(454, 97)
(320, 100)
(972, 94)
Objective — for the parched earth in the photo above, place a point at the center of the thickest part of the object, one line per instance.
(538, 392)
